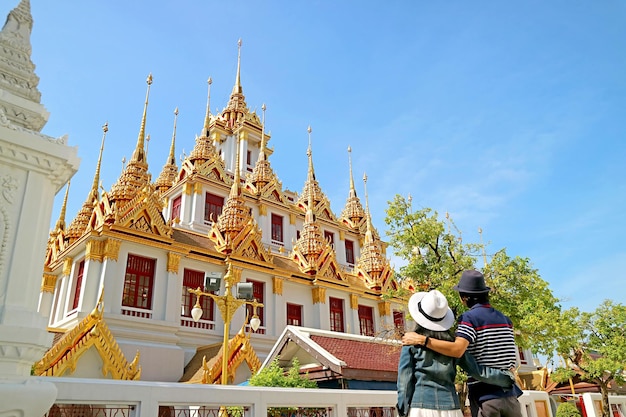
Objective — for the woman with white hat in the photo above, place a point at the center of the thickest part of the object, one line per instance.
(425, 377)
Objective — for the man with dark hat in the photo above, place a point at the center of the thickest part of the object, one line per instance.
(487, 334)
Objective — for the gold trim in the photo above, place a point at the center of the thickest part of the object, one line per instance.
(278, 285)
(262, 209)
(48, 282)
(94, 250)
(354, 301)
(112, 249)
(384, 308)
(188, 188)
(292, 218)
(67, 266)
(173, 262)
(342, 235)
(91, 332)
(197, 188)
(319, 295)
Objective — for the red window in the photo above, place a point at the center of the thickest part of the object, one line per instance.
(138, 282)
(350, 252)
(194, 279)
(78, 284)
(249, 158)
(257, 294)
(366, 320)
(297, 234)
(294, 314)
(336, 314)
(521, 355)
(212, 207)
(329, 236)
(398, 320)
(176, 208)
(277, 228)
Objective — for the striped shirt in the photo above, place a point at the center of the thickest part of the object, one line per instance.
(491, 342)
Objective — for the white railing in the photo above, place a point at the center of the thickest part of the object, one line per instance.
(145, 399)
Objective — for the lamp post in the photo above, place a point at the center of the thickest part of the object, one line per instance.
(227, 305)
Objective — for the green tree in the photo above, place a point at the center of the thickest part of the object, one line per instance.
(518, 291)
(595, 348)
(567, 410)
(436, 255)
(275, 376)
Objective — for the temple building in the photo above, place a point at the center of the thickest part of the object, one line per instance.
(124, 265)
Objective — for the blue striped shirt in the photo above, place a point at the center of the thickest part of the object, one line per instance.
(491, 342)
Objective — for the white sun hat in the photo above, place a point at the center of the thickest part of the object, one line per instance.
(430, 310)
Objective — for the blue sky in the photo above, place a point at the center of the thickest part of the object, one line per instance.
(507, 115)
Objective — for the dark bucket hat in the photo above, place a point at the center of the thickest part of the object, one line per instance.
(472, 282)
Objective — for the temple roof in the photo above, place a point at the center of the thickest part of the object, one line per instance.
(334, 355)
(201, 370)
(91, 333)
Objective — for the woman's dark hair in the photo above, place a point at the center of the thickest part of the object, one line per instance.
(433, 334)
(473, 299)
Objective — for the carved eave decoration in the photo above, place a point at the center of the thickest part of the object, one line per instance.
(321, 208)
(246, 244)
(213, 168)
(271, 191)
(57, 243)
(329, 269)
(91, 332)
(240, 350)
(358, 226)
(142, 213)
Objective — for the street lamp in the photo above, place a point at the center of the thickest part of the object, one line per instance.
(227, 305)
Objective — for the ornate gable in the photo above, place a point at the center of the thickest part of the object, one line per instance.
(251, 246)
(328, 268)
(240, 350)
(141, 213)
(213, 168)
(91, 332)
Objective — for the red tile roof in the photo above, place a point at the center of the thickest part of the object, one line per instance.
(361, 354)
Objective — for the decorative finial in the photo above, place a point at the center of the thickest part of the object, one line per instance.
(263, 144)
(123, 163)
(207, 117)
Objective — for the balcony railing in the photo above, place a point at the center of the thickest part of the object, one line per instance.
(81, 397)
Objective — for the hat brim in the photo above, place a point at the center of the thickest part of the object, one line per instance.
(438, 326)
(486, 290)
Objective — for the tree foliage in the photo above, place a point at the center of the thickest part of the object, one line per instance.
(567, 410)
(436, 256)
(595, 347)
(275, 376)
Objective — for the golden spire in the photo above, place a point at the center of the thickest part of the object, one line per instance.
(262, 173)
(207, 117)
(81, 221)
(139, 154)
(353, 209)
(237, 89)
(167, 177)
(311, 244)
(371, 259)
(236, 107)
(235, 215)
(204, 150)
(135, 175)
(60, 224)
(311, 186)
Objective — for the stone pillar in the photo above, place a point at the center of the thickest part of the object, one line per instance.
(33, 168)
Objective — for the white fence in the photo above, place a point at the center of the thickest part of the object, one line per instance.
(109, 398)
